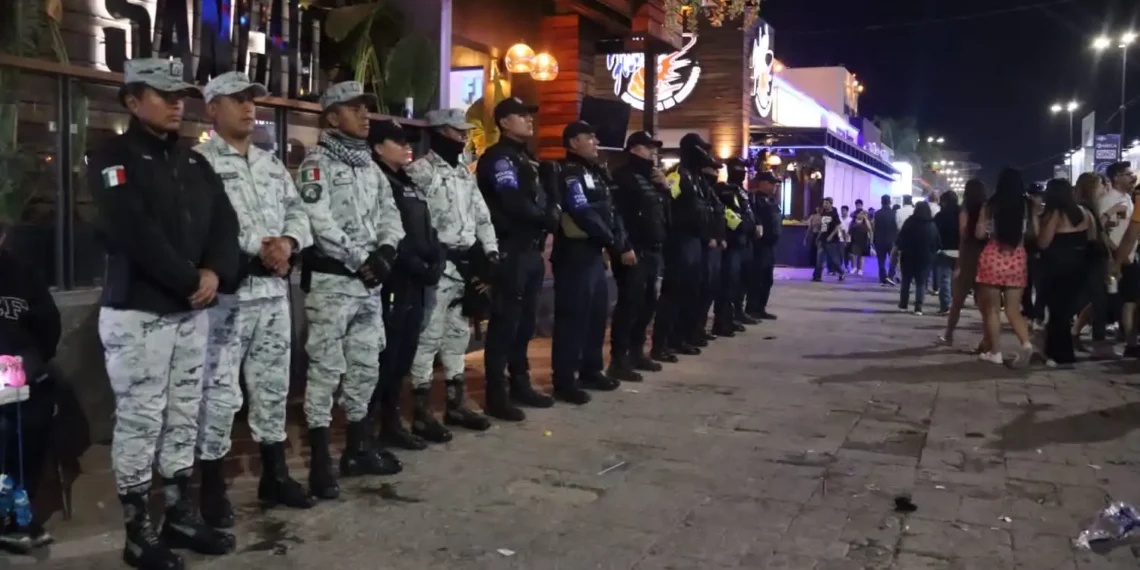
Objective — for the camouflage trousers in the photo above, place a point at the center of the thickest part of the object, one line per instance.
(346, 335)
(155, 365)
(251, 338)
(446, 334)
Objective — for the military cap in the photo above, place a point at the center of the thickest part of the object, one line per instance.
(345, 92)
(232, 83)
(163, 75)
(454, 118)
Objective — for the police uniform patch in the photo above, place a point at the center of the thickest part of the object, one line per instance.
(310, 175)
(228, 175)
(506, 176)
(311, 193)
(576, 196)
(342, 179)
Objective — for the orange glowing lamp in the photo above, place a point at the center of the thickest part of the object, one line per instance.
(545, 67)
(520, 59)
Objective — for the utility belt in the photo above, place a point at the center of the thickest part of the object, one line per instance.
(523, 244)
(462, 259)
(312, 261)
(251, 266)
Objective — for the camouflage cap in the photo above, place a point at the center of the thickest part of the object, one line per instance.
(345, 92)
(454, 118)
(232, 83)
(163, 75)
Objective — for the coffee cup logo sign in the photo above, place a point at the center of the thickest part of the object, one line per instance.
(761, 63)
(676, 76)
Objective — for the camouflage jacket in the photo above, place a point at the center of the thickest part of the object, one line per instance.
(267, 205)
(352, 213)
(458, 211)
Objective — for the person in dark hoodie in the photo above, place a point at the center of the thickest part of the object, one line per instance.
(30, 330)
(406, 292)
(918, 244)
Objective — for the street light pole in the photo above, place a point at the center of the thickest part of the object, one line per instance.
(1124, 86)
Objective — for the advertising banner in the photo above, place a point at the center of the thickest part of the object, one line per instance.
(1106, 150)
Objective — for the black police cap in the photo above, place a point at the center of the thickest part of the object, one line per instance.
(693, 140)
(574, 129)
(386, 130)
(513, 106)
(736, 163)
(642, 138)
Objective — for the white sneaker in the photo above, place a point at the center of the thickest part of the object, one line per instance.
(918, 313)
(1022, 357)
(991, 357)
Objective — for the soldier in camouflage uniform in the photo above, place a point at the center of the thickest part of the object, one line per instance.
(356, 228)
(171, 239)
(250, 331)
(462, 219)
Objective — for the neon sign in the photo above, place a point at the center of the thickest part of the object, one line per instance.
(761, 63)
(676, 76)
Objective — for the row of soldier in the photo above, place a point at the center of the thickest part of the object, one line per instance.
(394, 256)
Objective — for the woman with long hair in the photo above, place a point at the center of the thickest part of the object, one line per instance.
(969, 250)
(1002, 267)
(1094, 296)
(1064, 233)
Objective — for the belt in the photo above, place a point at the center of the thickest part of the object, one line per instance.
(251, 266)
(318, 263)
(523, 244)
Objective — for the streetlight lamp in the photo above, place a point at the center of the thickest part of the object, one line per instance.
(1124, 42)
(1070, 107)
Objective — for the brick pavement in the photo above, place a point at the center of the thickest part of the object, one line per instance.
(780, 448)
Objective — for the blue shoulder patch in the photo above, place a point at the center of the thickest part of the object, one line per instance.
(575, 195)
(506, 175)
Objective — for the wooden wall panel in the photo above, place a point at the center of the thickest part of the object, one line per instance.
(572, 44)
(719, 102)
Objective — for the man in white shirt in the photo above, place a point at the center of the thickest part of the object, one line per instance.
(932, 199)
(905, 211)
(1116, 209)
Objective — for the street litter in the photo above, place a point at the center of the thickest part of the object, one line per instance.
(940, 486)
(547, 433)
(630, 391)
(1097, 467)
(1114, 522)
(611, 468)
(1005, 519)
(506, 552)
(903, 504)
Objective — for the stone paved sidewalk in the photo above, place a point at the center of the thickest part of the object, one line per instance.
(781, 448)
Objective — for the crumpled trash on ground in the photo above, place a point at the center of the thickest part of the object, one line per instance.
(1114, 522)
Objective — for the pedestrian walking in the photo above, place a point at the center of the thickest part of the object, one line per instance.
(250, 331)
(946, 220)
(523, 214)
(1002, 272)
(172, 246)
(918, 244)
(1064, 234)
(966, 266)
(356, 228)
(641, 198)
(830, 242)
(463, 222)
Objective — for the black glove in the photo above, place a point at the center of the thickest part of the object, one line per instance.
(380, 262)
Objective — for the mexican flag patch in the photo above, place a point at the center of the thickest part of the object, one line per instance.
(114, 176)
(310, 175)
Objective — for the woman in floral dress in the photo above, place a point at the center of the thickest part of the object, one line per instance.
(1002, 267)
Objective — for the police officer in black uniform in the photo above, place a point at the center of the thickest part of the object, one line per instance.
(713, 254)
(523, 215)
(741, 229)
(419, 266)
(688, 234)
(642, 201)
(769, 221)
(589, 227)
(171, 235)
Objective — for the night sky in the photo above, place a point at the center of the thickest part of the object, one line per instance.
(985, 83)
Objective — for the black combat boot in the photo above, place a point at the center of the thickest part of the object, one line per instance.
(215, 504)
(392, 430)
(698, 340)
(686, 349)
(745, 318)
(499, 404)
(523, 393)
(622, 369)
(143, 549)
(724, 330)
(424, 423)
(322, 482)
(457, 413)
(663, 355)
(641, 362)
(360, 455)
(276, 487)
(183, 527)
(598, 381)
(571, 393)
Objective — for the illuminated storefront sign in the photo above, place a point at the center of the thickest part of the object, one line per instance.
(794, 109)
(676, 76)
(274, 41)
(761, 63)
